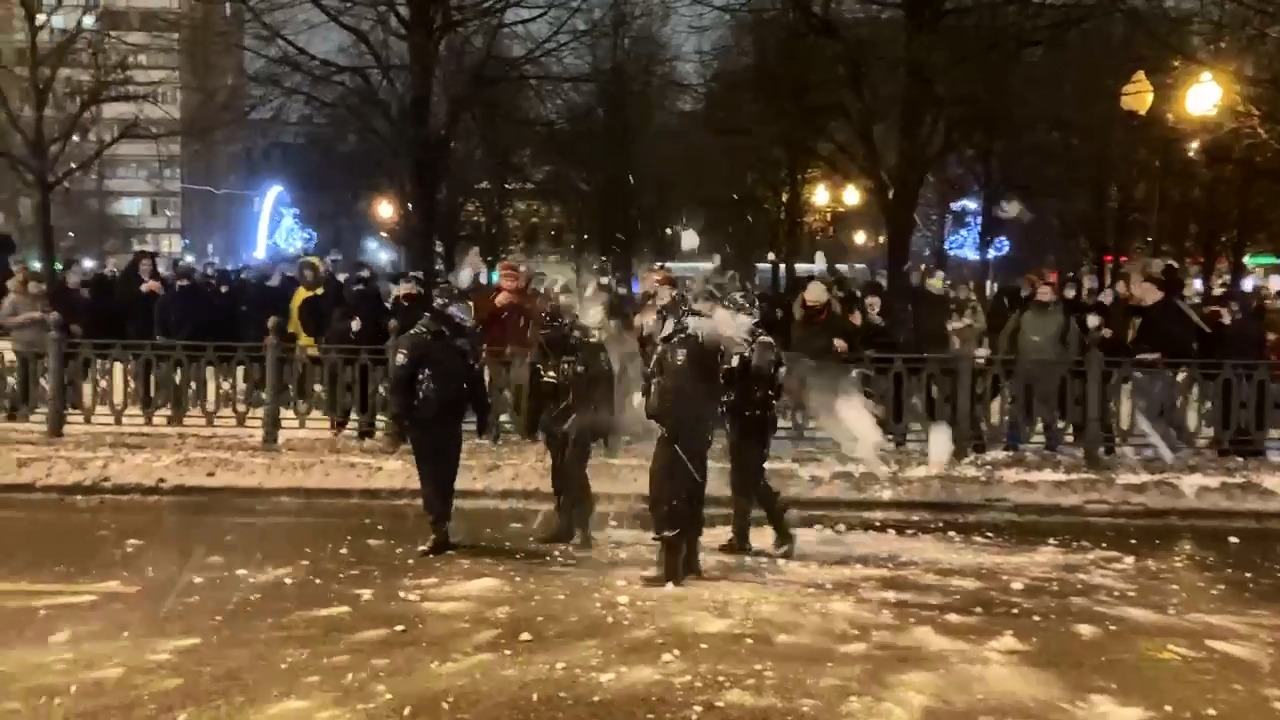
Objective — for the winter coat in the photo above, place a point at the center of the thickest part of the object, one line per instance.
(930, 312)
(137, 306)
(1041, 334)
(27, 335)
(814, 330)
(967, 325)
(182, 315)
(1163, 328)
(506, 327)
(257, 303)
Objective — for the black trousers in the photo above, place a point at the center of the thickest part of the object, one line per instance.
(570, 454)
(749, 440)
(437, 449)
(27, 377)
(1241, 427)
(678, 483)
(349, 387)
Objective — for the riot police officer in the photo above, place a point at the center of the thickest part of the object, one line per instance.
(752, 381)
(681, 390)
(435, 378)
(578, 385)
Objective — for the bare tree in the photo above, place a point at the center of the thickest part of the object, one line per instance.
(72, 92)
(401, 77)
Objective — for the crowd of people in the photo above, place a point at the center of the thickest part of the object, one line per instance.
(1040, 326)
(460, 348)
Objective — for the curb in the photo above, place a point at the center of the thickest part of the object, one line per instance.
(806, 507)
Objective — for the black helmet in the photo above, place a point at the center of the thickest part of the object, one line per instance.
(743, 302)
(451, 305)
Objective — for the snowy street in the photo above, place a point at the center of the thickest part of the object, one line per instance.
(199, 608)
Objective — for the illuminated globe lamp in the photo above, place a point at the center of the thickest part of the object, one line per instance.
(821, 196)
(385, 210)
(851, 196)
(1138, 95)
(1204, 97)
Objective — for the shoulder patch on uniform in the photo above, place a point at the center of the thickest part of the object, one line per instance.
(681, 355)
(402, 357)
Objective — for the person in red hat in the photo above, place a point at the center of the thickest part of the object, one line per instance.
(505, 327)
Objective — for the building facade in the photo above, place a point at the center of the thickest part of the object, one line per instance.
(169, 78)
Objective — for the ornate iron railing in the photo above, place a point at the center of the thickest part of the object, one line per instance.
(1100, 403)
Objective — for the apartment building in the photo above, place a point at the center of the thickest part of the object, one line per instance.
(182, 80)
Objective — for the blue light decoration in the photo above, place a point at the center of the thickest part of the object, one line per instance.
(964, 230)
(280, 229)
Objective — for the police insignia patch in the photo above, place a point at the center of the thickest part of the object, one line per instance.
(402, 357)
(681, 355)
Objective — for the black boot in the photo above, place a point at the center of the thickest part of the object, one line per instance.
(670, 563)
(582, 512)
(784, 542)
(740, 542)
(562, 532)
(693, 556)
(440, 542)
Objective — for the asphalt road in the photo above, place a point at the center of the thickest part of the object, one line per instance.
(200, 609)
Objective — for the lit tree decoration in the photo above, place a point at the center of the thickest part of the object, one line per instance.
(964, 230)
(290, 236)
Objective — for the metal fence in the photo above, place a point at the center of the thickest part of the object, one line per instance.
(1100, 404)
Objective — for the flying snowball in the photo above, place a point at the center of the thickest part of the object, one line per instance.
(689, 240)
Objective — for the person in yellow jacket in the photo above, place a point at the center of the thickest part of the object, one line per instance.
(307, 316)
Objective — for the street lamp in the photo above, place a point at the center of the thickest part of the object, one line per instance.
(1138, 95)
(385, 210)
(821, 196)
(851, 196)
(860, 238)
(1204, 97)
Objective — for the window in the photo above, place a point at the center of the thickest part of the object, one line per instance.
(164, 206)
(125, 206)
(167, 96)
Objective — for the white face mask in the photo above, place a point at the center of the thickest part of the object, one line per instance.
(1069, 293)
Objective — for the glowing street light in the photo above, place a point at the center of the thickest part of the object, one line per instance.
(1138, 95)
(1204, 97)
(821, 196)
(385, 210)
(851, 196)
(860, 238)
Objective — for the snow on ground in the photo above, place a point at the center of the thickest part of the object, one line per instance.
(186, 461)
(862, 625)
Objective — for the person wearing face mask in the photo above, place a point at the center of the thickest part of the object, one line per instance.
(1042, 342)
(24, 312)
(505, 318)
(1237, 343)
(1106, 328)
(967, 327)
(1163, 337)
(930, 313)
(140, 289)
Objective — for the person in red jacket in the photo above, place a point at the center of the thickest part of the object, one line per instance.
(506, 319)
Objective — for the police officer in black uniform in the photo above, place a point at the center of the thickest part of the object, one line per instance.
(577, 382)
(681, 390)
(752, 383)
(435, 378)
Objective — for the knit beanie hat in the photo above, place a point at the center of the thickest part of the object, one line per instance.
(815, 294)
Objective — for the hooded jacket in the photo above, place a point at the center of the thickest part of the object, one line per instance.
(307, 316)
